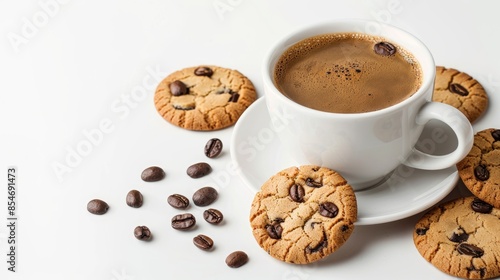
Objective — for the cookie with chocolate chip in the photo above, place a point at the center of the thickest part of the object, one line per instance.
(461, 91)
(480, 169)
(204, 97)
(303, 214)
(460, 238)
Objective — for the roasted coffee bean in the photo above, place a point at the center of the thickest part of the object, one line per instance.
(198, 170)
(213, 147)
(481, 172)
(178, 201)
(205, 196)
(97, 206)
(384, 48)
(313, 184)
(421, 231)
(203, 71)
(178, 88)
(459, 236)
(481, 206)
(134, 199)
(274, 230)
(496, 134)
(203, 242)
(213, 216)
(183, 221)
(236, 259)
(458, 89)
(296, 193)
(143, 233)
(328, 209)
(153, 174)
(470, 250)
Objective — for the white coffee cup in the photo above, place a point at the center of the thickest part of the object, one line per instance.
(364, 147)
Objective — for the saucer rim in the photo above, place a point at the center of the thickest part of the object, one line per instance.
(448, 183)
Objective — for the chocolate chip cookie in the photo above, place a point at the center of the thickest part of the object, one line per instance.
(204, 97)
(461, 91)
(480, 169)
(303, 214)
(460, 237)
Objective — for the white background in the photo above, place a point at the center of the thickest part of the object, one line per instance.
(69, 68)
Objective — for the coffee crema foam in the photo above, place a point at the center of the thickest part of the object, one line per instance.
(341, 73)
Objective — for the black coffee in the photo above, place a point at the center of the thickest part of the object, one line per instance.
(347, 73)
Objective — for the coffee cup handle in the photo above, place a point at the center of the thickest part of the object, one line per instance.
(457, 122)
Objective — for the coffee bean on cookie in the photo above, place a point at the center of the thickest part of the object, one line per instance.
(459, 238)
(204, 97)
(481, 206)
(480, 169)
(178, 88)
(297, 193)
(203, 71)
(461, 91)
(303, 214)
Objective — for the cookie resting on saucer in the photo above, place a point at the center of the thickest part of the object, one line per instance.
(480, 169)
(303, 214)
(461, 238)
(204, 97)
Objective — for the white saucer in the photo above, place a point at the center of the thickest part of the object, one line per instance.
(256, 150)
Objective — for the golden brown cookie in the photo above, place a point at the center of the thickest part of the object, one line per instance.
(461, 238)
(480, 169)
(204, 97)
(461, 91)
(303, 214)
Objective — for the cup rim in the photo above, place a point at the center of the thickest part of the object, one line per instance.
(283, 43)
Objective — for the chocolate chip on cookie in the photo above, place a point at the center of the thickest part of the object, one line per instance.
(480, 169)
(303, 214)
(461, 91)
(204, 97)
(460, 238)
